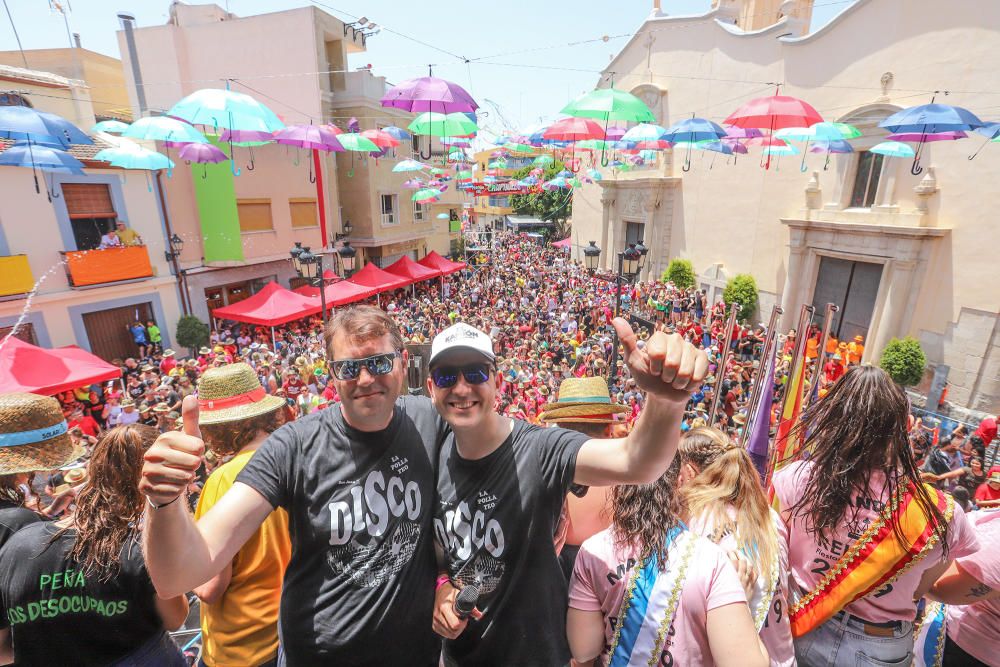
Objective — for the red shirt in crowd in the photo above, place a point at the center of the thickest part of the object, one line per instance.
(987, 430)
(293, 386)
(87, 424)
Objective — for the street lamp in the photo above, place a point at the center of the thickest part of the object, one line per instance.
(310, 267)
(628, 262)
(347, 254)
(347, 231)
(591, 256)
(296, 252)
(176, 245)
(643, 251)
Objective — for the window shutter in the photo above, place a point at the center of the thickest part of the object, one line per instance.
(254, 215)
(303, 213)
(88, 200)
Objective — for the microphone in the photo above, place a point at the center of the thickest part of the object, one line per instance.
(466, 600)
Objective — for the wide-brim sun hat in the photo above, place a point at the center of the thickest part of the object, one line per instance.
(233, 393)
(585, 399)
(34, 434)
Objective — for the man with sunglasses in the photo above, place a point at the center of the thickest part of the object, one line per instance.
(357, 481)
(501, 486)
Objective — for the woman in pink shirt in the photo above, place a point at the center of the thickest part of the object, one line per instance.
(646, 590)
(723, 500)
(859, 467)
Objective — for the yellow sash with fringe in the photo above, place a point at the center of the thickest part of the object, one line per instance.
(877, 558)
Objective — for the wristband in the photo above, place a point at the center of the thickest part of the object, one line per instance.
(156, 507)
(441, 581)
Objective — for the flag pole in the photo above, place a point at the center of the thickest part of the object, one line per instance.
(766, 354)
(720, 372)
(831, 308)
(805, 319)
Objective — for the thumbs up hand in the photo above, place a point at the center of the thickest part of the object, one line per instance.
(171, 463)
(668, 366)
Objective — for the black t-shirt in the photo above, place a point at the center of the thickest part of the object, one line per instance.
(60, 616)
(494, 520)
(359, 589)
(13, 518)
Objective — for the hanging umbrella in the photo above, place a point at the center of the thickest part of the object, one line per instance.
(787, 149)
(595, 174)
(735, 144)
(203, 154)
(410, 165)
(645, 132)
(615, 133)
(558, 183)
(413, 184)
(574, 129)
(39, 127)
(381, 138)
(428, 93)
(774, 113)
(829, 147)
(426, 195)
(442, 216)
(135, 157)
(692, 130)
(163, 128)
(456, 142)
(892, 149)
(442, 125)
(248, 139)
(110, 127)
(849, 131)
(397, 133)
(743, 133)
(356, 143)
(817, 132)
(608, 104)
(519, 148)
(225, 109)
(921, 138)
(333, 128)
(928, 119)
(42, 158)
(992, 133)
(595, 145)
(312, 137)
(543, 161)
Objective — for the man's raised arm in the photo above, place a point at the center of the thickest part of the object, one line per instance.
(181, 554)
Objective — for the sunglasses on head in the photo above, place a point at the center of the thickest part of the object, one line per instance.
(377, 364)
(446, 377)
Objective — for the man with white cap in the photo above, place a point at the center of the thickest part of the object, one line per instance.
(501, 486)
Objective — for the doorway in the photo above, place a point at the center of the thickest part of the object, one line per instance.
(851, 285)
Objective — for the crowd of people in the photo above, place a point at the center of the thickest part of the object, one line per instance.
(555, 499)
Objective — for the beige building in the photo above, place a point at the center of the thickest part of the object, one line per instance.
(304, 81)
(85, 296)
(902, 254)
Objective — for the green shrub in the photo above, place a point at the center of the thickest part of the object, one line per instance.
(904, 360)
(680, 272)
(192, 333)
(742, 289)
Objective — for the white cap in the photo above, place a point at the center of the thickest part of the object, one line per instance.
(461, 337)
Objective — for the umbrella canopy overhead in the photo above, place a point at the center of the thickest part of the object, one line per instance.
(202, 153)
(609, 104)
(410, 165)
(45, 158)
(436, 261)
(374, 278)
(428, 93)
(246, 137)
(931, 119)
(164, 128)
(928, 137)
(226, 109)
(893, 149)
(271, 306)
(773, 113)
(437, 124)
(381, 138)
(37, 370)
(131, 156)
(574, 129)
(355, 142)
(110, 127)
(693, 130)
(39, 127)
(313, 137)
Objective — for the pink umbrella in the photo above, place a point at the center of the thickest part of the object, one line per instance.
(428, 93)
(615, 133)
(774, 113)
(919, 138)
(574, 129)
(333, 128)
(313, 137)
(413, 184)
(241, 136)
(202, 154)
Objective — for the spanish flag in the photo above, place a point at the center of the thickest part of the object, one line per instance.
(786, 443)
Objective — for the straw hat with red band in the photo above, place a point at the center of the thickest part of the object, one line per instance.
(583, 400)
(233, 393)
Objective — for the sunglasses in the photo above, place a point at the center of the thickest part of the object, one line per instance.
(446, 377)
(377, 364)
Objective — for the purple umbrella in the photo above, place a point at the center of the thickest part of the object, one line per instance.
(202, 154)
(241, 136)
(615, 133)
(917, 137)
(313, 137)
(354, 126)
(413, 184)
(743, 133)
(428, 93)
(736, 145)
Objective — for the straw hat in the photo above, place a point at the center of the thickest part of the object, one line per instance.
(233, 393)
(168, 353)
(161, 407)
(582, 400)
(75, 476)
(204, 350)
(33, 434)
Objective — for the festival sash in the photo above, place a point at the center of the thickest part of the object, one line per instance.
(928, 645)
(875, 559)
(649, 604)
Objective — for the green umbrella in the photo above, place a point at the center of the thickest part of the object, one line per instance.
(542, 161)
(519, 148)
(610, 104)
(442, 125)
(355, 142)
(426, 195)
(594, 144)
(849, 131)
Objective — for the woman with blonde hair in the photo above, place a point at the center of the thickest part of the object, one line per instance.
(76, 591)
(723, 500)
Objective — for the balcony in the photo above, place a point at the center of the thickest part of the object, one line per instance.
(85, 268)
(15, 275)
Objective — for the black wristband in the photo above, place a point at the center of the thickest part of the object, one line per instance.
(156, 507)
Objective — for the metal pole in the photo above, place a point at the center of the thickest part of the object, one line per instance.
(831, 308)
(723, 362)
(766, 356)
(613, 371)
(322, 287)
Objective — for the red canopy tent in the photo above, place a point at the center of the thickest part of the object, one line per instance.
(37, 370)
(445, 266)
(565, 243)
(308, 290)
(407, 268)
(375, 278)
(270, 307)
(344, 292)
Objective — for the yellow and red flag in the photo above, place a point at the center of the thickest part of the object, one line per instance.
(787, 443)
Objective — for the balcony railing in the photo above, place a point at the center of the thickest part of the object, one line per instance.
(15, 275)
(97, 267)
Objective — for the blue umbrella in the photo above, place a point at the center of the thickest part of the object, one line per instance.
(110, 126)
(39, 127)
(693, 130)
(930, 119)
(43, 158)
(992, 133)
(396, 132)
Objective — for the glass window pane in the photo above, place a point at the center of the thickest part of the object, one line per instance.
(861, 179)
(873, 179)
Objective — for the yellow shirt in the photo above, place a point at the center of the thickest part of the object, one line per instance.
(241, 628)
(128, 236)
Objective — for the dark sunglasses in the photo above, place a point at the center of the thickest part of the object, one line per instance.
(446, 377)
(377, 364)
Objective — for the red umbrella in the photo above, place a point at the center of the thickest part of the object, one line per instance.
(574, 129)
(774, 113)
(381, 138)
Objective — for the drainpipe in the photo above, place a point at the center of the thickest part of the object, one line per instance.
(182, 287)
(128, 25)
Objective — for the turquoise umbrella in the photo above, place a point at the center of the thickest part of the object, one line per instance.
(893, 149)
(162, 128)
(135, 157)
(110, 126)
(410, 165)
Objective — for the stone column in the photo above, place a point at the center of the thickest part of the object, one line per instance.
(894, 311)
(608, 194)
(793, 278)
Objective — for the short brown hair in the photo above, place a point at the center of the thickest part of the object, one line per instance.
(360, 324)
(229, 438)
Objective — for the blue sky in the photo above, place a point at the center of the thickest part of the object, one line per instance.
(525, 48)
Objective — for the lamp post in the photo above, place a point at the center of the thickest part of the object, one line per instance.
(631, 262)
(310, 267)
(176, 245)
